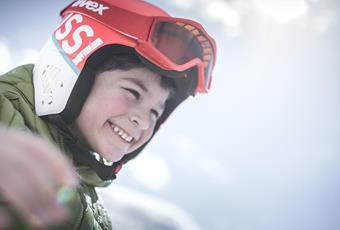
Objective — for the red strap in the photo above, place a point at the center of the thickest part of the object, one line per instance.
(117, 168)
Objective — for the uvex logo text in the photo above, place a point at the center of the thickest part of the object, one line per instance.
(91, 5)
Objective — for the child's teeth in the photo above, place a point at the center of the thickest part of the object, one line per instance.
(121, 133)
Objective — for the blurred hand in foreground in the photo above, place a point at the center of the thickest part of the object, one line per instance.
(32, 174)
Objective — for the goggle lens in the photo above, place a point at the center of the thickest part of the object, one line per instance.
(182, 43)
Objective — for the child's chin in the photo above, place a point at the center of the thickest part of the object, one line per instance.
(113, 156)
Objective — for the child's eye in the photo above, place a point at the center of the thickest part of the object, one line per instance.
(135, 93)
(155, 113)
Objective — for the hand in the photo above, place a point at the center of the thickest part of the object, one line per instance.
(31, 171)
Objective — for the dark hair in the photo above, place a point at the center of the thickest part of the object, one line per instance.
(127, 61)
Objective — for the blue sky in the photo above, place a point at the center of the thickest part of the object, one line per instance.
(261, 150)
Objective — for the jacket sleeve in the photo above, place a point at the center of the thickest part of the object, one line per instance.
(9, 115)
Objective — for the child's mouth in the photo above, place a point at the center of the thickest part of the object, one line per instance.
(121, 133)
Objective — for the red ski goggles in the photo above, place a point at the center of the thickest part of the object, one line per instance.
(171, 43)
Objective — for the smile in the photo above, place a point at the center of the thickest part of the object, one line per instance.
(121, 133)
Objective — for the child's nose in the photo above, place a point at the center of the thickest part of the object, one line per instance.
(141, 119)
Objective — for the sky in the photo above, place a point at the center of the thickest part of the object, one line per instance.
(261, 150)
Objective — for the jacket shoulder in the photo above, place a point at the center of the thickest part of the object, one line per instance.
(19, 81)
(17, 103)
(19, 73)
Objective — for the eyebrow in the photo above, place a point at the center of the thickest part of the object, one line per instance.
(138, 83)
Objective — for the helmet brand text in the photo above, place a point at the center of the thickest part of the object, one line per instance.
(91, 5)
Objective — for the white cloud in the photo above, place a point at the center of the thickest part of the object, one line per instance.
(323, 21)
(282, 11)
(120, 200)
(195, 157)
(215, 169)
(10, 59)
(187, 4)
(185, 144)
(217, 11)
(28, 56)
(221, 11)
(5, 57)
(150, 170)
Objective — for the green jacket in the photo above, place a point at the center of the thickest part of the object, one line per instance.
(17, 111)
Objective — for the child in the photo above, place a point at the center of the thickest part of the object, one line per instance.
(105, 81)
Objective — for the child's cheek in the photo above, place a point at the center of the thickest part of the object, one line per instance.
(120, 104)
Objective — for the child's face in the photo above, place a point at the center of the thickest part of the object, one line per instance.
(121, 111)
